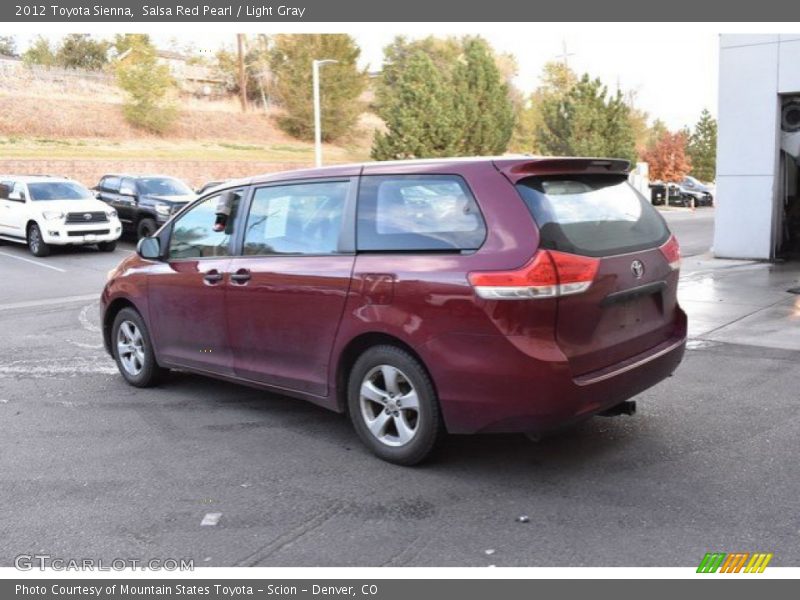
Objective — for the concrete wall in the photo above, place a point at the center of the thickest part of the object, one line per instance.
(754, 70)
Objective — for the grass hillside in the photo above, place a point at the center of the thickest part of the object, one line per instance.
(43, 123)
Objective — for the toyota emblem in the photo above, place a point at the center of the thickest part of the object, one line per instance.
(637, 268)
(87, 216)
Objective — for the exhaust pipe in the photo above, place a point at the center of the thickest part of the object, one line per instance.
(623, 408)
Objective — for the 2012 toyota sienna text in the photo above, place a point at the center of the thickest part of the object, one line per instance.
(419, 297)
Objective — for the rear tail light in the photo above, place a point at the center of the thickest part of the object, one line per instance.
(672, 253)
(549, 274)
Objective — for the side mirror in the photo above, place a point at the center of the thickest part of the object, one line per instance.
(149, 248)
(16, 197)
(127, 190)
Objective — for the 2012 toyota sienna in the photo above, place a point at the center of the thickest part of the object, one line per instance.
(419, 297)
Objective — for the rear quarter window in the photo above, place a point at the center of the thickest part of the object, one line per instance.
(592, 215)
(418, 213)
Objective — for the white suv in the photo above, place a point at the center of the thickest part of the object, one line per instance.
(53, 211)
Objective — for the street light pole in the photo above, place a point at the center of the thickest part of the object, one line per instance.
(315, 65)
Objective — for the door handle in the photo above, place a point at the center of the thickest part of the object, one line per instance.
(212, 277)
(241, 276)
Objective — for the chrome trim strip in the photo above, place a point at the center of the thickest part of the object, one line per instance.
(630, 367)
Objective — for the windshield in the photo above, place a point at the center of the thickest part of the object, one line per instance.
(163, 186)
(58, 190)
(592, 215)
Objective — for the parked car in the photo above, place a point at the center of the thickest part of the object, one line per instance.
(144, 202)
(419, 297)
(701, 193)
(44, 211)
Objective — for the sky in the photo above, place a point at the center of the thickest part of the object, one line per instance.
(674, 77)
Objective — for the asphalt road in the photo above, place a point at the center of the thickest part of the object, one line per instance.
(94, 468)
(694, 229)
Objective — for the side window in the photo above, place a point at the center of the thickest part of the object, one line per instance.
(418, 213)
(111, 184)
(193, 233)
(303, 218)
(127, 187)
(18, 193)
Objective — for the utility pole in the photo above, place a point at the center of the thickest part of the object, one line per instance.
(315, 65)
(242, 72)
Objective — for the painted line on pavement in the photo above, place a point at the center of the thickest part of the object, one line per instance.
(34, 262)
(49, 302)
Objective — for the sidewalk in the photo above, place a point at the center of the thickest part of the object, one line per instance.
(741, 302)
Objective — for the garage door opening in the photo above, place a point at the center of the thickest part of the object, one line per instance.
(788, 218)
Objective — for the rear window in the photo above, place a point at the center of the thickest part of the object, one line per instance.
(163, 186)
(592, 215)
(418, 213)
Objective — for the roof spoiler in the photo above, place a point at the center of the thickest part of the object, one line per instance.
(518, 169)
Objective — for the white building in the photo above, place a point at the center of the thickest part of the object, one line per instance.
(758, 211)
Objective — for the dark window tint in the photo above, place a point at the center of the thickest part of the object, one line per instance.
(304, 218)
(193, 234)
(58, 190)
(592, 215)
(111, 184)
(163, 186)
(418, 213)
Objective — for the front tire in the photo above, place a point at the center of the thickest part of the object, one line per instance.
(133, 350)
(107, 246)
(36, 243)
(393, 406)
(145, 228)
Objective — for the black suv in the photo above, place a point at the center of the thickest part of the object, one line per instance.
(144, 202)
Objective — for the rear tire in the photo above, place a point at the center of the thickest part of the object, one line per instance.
(133, 350)
(393, 406)
(107, 246)
(146, 227)
(36, 243)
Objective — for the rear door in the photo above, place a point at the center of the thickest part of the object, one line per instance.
(631, 305)
(288, 286)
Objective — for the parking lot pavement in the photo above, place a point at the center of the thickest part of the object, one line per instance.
(694, 229)
(68, 272)
(94, 468)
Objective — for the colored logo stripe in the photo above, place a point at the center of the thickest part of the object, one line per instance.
(735, 562)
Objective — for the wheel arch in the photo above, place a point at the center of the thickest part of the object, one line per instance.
(355, 348)
(110, 314)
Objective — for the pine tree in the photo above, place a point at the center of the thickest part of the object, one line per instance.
(467, 87)
(485, 108)
(420, 115)
(341, 84)
(578, 118)
(702, 147)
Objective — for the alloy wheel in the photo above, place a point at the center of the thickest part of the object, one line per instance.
(130, 347)
(389, 405)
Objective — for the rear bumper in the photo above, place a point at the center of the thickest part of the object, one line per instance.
(502, 384)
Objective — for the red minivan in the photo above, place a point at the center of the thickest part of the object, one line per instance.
(420, 297)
